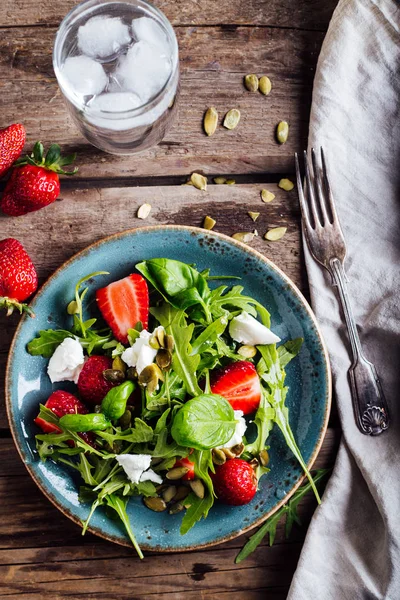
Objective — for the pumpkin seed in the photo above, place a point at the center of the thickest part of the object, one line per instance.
(230, 182)
(254, 463)
(144, 211)
(243, 236)
(155, 504)
(118, 364)
(253, 215)
(228, 453)
(219, 180)
(187, 182)
(160, 334)
(197, 487)
(199, 181)
(176, 508)
(169, 342)
(282, 132)
(114, 375)
(255, 232)
(125, 420)
(182, 493)
(247, 351)
(286, 184)
(275, 234)
(264, 85)
(210, 121)
(157, 461)
(251, 82)
(218, 456)
(176, 473)
(232, 118)
(267, 196)
(154, 343)
(150, 376)
(163, 359)
(238, 449)
(169, 493)
(72, 308)
(264, 457)
(209, 222)
(131, 374)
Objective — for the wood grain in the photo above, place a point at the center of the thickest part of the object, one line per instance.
(84, 216)
(213, 63)
(312, 14)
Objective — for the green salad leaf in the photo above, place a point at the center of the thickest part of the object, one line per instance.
(204, 422)
(47, 341)
(198, 508)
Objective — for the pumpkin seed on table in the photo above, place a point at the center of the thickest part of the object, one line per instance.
(219, 180)
(267, 196)
(275, 234)
(286, 184)
(209, 222)
(230, 182)
(243, 236)
(144, 211)
(251, 82)
(282, 132)
(264, 85)
(253, 215)
(199, 181)
(232, 118)
(210, 121)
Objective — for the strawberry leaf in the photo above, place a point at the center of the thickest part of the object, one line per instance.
(53, 155)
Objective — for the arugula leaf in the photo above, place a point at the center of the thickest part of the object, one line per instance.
(140, 433)
(199, 507)
(209, 336)
(165, 449)
(119, 505)
(288, 350)
(47, 341)
(264, 422)
(275, 379)
(221, 302)
(162, 422)
(183, 363)
(270, 525)
(204, 422)
(80, 326)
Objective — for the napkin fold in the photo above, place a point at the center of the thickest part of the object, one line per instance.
(352, 549)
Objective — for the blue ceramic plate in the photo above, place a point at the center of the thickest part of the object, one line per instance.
(308, 378)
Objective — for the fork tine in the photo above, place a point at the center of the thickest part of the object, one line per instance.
(329, 197)
(302, 200)
(318, 187)
(310, 192)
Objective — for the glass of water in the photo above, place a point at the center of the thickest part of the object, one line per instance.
(117, 66)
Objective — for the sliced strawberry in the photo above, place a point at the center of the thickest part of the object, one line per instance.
(91, 383)
(185, 462)
(239, 383)
(60, 403)
(123, 304)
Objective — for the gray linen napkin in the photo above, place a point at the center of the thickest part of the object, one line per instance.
(352, 550)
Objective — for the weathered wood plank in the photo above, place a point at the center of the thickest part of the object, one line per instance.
(213, 63)
(57, 232)
(274, 13)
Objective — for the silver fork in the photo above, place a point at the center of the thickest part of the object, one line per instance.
(327, 245)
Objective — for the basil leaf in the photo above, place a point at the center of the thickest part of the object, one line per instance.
(171, 277)
(183, 363)
(47, 341)
(204, 422)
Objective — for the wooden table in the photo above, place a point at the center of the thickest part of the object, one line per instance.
(42, 554)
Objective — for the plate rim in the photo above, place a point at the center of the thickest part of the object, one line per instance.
(249, 250)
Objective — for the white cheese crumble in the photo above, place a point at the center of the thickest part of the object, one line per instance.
(66, 362)
(245, 329)
(136, 467)
(141, 354)
(240, 430)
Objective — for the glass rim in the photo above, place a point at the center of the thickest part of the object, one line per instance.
(131, 112)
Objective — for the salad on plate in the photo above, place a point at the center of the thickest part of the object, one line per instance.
(176, 393)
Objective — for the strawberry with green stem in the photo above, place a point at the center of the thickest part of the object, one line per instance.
(34, 182)
(18, 277)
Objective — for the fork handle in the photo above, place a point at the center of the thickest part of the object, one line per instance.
(369, 402)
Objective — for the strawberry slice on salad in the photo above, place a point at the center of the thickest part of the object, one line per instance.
(238, 383)
(123, 304)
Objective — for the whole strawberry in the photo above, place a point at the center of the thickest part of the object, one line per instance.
(18, 278)
(12, 140)
(91, 383)
(34, 182)
(235, 482)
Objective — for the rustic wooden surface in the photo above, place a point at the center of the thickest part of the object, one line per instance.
(41, 552)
